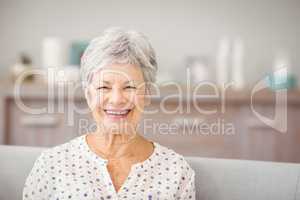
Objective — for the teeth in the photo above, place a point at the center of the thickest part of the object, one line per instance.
(117, 112)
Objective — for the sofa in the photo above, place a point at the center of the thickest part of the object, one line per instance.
(216, 179)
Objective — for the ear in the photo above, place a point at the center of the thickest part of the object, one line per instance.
(147, 98)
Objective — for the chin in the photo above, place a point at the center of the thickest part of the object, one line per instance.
(120, 127)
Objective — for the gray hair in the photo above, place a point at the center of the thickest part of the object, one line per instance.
(118, 46)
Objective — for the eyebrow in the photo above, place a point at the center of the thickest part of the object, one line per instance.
(107, 82)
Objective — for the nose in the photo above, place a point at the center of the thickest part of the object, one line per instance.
(117, 97)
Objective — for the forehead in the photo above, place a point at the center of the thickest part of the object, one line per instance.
(119, 73)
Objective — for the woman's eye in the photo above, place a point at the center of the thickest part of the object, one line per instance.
(130, 87)
(102, 88)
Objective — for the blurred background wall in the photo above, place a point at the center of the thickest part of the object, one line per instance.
(176, 28)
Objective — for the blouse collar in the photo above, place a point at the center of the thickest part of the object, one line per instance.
(140, 165)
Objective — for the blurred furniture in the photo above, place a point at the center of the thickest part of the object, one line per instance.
(216, 179)
(248, 138)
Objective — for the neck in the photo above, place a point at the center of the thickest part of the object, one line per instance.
(114, 146)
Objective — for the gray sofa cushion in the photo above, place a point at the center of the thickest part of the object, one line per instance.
(298, 189)
(16, 163)
(219, 179)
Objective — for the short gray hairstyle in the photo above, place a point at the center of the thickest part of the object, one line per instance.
(119, 46)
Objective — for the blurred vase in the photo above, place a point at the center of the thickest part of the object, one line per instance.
(76, 51)
(199, 68)
(22, 68)
(238, 64)
(52, 52)
(281, 79)
(222, 62)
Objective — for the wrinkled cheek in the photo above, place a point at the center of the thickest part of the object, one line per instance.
(97, 115)
(95, 102)
(98, 102)
(97, 111)
(100, 98)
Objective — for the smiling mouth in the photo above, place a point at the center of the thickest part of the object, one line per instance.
(117, 114)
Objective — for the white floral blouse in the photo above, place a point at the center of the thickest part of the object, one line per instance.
(73, 171)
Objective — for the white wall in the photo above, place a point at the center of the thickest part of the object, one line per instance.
(176, 28)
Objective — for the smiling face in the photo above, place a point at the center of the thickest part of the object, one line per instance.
(116, 97)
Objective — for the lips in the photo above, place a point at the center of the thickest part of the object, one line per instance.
(117, 114)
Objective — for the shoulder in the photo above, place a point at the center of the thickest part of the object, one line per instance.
(170, 159)
(61, 152)
(52, 159)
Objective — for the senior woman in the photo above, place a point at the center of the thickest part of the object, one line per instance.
(115, 161)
